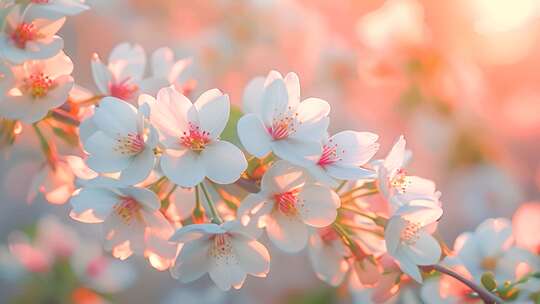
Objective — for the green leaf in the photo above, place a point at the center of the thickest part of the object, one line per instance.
(488, 280)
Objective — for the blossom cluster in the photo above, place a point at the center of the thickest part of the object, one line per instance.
(197, 186)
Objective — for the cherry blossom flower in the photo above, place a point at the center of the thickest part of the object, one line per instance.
(123, 141)
(342, 157)
(276, 121)
(123, 76)
(26, 39)
(168, 71)
(189, 133)
(485, 248)
(227, 252)
(327, 254)
(396, 185)
(288, 203)
(39, 87)
(130, 216)
(55, 9)
(408, 236)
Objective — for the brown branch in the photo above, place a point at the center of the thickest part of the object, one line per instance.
(486, 296)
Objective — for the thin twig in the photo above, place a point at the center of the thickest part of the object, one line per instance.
(486, 296)
(215, 214)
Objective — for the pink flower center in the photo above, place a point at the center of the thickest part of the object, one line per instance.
(195, 138)
(284, 126)
(329, 154)
(124, 89)
(128, 209)
(328, 234)
(409, 234)
(400, 181)
(130, 144)
(286, 202)
(38, 84)
(222, 248)
(23, 33)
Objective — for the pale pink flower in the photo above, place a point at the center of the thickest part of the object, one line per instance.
(123, 76)
(342, 156)
(394, 183)
(189, 133)
(130, 215)
(25, 39)
(227, 252)
(288, 203)
(276, 121)
(408, 236)
(122, 141)
(40, 85)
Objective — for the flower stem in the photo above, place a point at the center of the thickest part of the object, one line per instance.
(348, 241)
(48, 149)
(486, 296)
(352, 191)
(341, 185)
(216, 219)
(352, 198)
(64, 117)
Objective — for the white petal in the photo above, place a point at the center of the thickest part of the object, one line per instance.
(226, 276)
(355, 148)
(102, 75)
(192, 262)
(350, 172)
(410, 269)
(252, 97)
(252, 206)
(104, 158)
(140, 167)
(184, 168)
(92, 205)
(148, 199)
(162, 61)
(313, 115)
(283, 177)
(317, 205)
(224, 162)
(293, 88)
(275, 101)
(425, 251)
(392, 234)
(127, 61)
(115, 117)
(169, 113)
(288, 233)
(329, 265)
(297, 151)
(253, 257)
(195, 231)
(396, 157)
(213, 107)
(254, 136)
